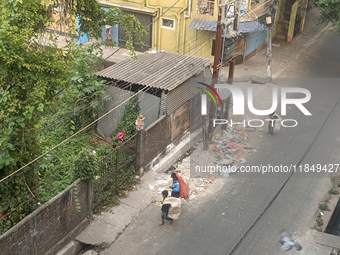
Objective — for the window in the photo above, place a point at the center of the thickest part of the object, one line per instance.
(206, 7)
(168, 23)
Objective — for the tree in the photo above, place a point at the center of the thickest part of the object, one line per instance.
(34, 76)
(329, 14)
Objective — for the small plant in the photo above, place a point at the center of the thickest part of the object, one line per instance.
(118, 234)
(319, 222)
(333, 191)
(319, 216)
(318, 229)
(339, 184)
(104, 245)
(324, 207)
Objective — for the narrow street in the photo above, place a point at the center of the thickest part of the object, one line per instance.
(247, 213)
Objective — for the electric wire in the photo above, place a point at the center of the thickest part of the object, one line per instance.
(92, 67)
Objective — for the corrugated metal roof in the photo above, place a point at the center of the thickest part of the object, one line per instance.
(162, 70)
(251, 26)
(210, 25)
(203, 24)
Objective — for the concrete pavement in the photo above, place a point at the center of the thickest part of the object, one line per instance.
(144, 230)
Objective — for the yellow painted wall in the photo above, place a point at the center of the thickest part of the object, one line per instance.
(181, 39)
(199, 41)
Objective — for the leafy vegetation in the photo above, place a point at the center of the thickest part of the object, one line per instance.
(127, 122)
(329, 14)
(333, 191)
(319, 222)
(324, 207)
(115, 175)
(45, 97)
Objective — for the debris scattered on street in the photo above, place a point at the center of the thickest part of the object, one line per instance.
(228, 148)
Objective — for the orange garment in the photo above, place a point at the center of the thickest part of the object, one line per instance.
(184, 191)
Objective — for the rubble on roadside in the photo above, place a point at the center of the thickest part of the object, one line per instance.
(229, 147)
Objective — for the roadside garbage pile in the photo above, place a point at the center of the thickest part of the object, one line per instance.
(226, 153)
(231, 146)
(228, 148)
(183, 168)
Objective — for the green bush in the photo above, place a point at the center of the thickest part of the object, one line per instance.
(85, 166)
(128, 120)
(319, 222)
(333, 191)
(324, 207)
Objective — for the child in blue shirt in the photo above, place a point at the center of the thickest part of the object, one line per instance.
(175, 185)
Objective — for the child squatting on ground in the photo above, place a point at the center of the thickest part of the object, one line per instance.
(175, 185)
(165, 209)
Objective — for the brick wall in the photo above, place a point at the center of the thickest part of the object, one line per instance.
(157, 137)
(180, 121)
(163, 132)
(43, 229)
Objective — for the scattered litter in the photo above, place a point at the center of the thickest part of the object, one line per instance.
(243, 160)
(192, 197)
(247, 146)
(120, 136)
(162, 182)
(137, 177)
(261, 130)
(228, 147)
(322, 213)
(235, 146)
(161, 189)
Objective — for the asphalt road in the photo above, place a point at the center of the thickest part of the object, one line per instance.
(246, 214)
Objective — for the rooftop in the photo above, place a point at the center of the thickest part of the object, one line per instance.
(211, 25)
(163, 70)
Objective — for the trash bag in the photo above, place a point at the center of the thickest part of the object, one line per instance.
(184, 191)
(277, 124)
(175, 209)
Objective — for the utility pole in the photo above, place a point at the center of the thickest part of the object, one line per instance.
(236, 28)
(215, 75)
(269, 51)
(270, 20)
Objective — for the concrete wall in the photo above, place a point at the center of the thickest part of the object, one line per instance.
(52, 226)
(108, 124)
(149, 107)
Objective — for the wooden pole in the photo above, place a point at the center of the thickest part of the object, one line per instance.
(215, 72)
